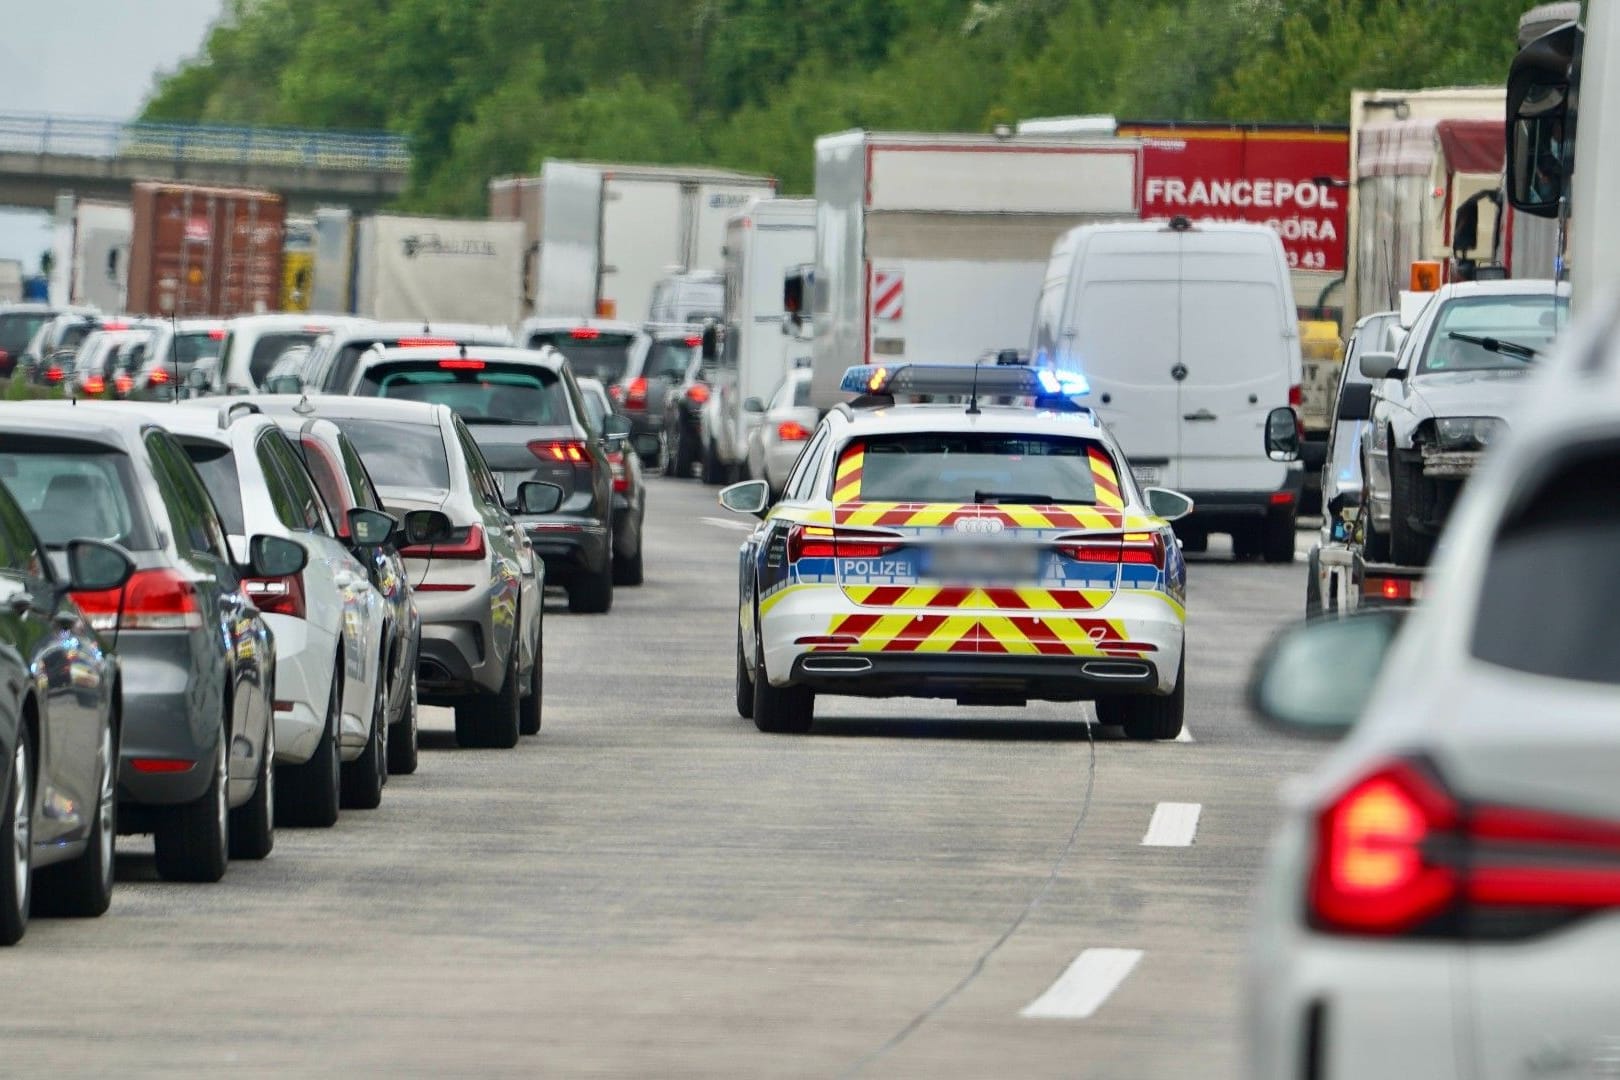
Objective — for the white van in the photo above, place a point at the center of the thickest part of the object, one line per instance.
(1187, 336)
(688, 298)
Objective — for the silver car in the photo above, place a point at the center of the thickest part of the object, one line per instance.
(786, 426)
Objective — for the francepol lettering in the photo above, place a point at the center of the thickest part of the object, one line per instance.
(1266, 194)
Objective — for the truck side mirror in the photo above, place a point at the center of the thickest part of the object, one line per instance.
(711, 343)
(1355, 402)
(793, 297)
(1539, 123)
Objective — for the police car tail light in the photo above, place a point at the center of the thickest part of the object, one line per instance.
(821, 542)
(1398, 854)
(1144, 549)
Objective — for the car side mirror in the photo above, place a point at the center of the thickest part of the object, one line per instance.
(97, 566)
(615, 426)
(275, 557)
(1355, 401)
(538, 497)
(754, 405)
(1316, 677)
(1377, 365)
(711, 343)
(370, 528)
(1166, 504)
(646, 444)
(426, 527)
(1282, 434)
(1539, 123)
(749, 497)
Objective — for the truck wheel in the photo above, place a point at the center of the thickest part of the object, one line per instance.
(192, 842)
(787, 710)
(713, 471)
(1148, 717)
(1278, 546)
(1410, 496)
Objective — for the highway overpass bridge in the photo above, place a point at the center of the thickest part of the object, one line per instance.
(42, 155)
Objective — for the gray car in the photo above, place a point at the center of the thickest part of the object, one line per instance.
(197, 658)
(476, 579)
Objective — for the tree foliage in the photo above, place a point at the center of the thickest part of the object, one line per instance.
(498, 86)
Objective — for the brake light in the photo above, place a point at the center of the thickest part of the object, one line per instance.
(697, 393)
(792, 431)
(1397, 853)
(424, 342)
(1136, 549)
(584, 333)
(1296, 396)
(820, 542)
(278, 596)
(462, 365)
(568, 451)
(53, 374)
(1281, 498)
(94, 384)
(161, 764)
(695, 341)
(1383, 588)
(467, 543)
(621, 479)
(159, 376)
(216, 334)
(151, 600)
(636, 394)
(115, 326)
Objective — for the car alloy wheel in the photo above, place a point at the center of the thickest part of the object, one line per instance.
(108, 809)
(22, 825)
(222, 800)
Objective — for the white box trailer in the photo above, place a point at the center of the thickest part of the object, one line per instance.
(932, 248)
(770, 238)
(100, 234)
(611, 232)
(333, 288)
(522, 198)
(11, 281)
(438, 269)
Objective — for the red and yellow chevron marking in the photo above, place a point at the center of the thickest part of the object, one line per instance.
(944, 515)
(1017, 635)
(1105, 479)
(967, 598)
(847, 481)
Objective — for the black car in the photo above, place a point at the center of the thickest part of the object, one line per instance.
(682, 437)
(629, 492)
(657, 366)
(531, 424)
(197, 659)
(59, 712)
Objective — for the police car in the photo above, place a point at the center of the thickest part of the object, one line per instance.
(990, 554)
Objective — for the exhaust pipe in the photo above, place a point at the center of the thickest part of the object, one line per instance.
(835, 665)
(1116, 669)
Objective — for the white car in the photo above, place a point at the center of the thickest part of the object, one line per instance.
(331, 683)
(783, 429)
(253, 344)
(1443, 898)
(987, 554)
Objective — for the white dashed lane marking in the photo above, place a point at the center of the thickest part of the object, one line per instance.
(1185, 736)
(728, 523)
(1084, 986)
(1174, 824)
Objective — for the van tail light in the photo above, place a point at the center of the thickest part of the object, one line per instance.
(1134, 549)
(465, 543)
(791, 431)
(278, 596)
(561, 451)
(635, 394)
(820, 542)
(150, 600)
(1296, 396)
(697, 393)
(1397, 854)
(584, 333)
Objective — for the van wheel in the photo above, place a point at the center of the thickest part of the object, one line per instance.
(1409, 496)
(1279, 540)
(1148, 717)
(786, 710)
(192, 843)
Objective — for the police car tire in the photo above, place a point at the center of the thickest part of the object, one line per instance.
(784, 710)
(745, 684)
(1148, 717)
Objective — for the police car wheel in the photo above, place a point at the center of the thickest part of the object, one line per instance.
(1148, 717)
(786, 710)
(745, 684)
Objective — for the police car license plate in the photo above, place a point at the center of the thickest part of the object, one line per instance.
(983, 562)
(1147, 475)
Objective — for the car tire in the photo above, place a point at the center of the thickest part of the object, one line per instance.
(1148, 717)
(490, 721)
(1313, 585)
(1374, 544)
(253, 824)
(363, 778)
(1246, 540)
(682, 455)
(628, 570)
(312, 792)
(713, 472)
(593, 593)
(17, 829)
(1278, 545)
(529, 713)
(192, 842)
(1409, 496)
(785, 710)
(83, 888)
(403, 748)
(745, 683)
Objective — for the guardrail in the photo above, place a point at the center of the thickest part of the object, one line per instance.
(72, 136)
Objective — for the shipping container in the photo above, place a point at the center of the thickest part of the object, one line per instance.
(203, 251)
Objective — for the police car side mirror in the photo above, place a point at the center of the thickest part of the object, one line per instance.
(1166, 504)
(749, 497)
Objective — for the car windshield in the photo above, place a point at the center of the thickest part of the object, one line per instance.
(268, 349)
(74, 490)
(194, 345)
(972, 467)
(594, 354)
(668, 359)
(1530, 320)
(217, 467)
(480, 392)
(399, 454)
(17, 328)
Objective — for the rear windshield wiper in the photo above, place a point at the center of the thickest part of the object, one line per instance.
(1027, 498)
(1497, 345)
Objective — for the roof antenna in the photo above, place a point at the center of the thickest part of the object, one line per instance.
(174, 352)
(973, 396)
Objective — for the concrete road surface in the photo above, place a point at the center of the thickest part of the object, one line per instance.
(653, 888)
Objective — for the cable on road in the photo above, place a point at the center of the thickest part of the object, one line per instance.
(1006, 935)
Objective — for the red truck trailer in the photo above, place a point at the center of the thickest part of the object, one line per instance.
(205, 251)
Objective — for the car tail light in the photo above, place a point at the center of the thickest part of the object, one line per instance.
(1136, 549)
(621, 480)
(466, 543)
(94, 384)
(697, 393)
(115, 326)
(792, 431)
(158, 377)
(53, 374)
(695, 341)
(1397, 854)
(161, 764)
(1281, 498)
(566, 451)
(584, 333)
(820, 542)
(635, 395)
(1296, 396)
(4, 356)
(461, 365)
(150, 600)
(278, 596)
(124, 383)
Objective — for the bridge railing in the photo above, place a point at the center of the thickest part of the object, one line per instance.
(71, 136)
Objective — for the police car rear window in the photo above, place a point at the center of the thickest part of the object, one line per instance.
(974, 467)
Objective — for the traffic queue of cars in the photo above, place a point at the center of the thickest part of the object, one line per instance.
(235, 604)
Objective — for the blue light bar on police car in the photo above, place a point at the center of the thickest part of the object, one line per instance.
(988, 380)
